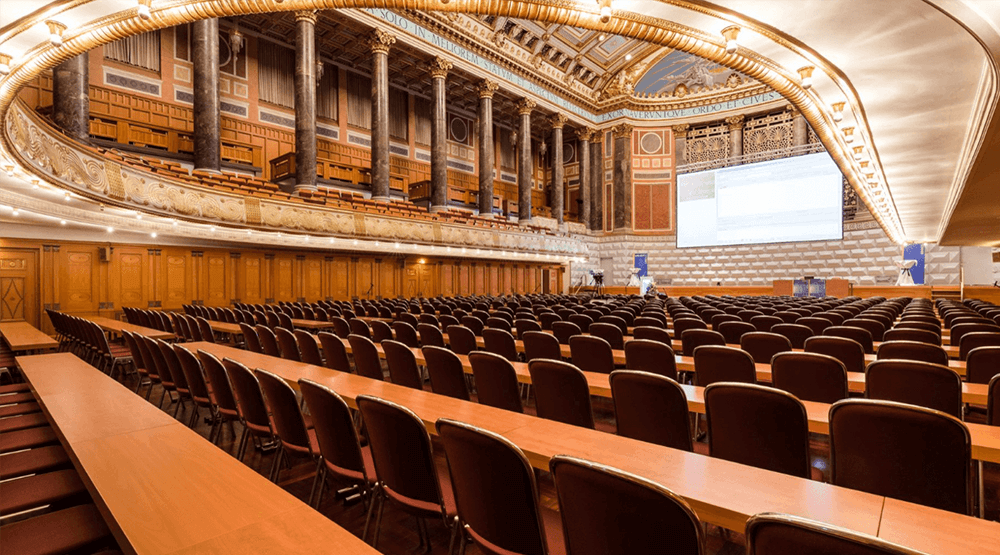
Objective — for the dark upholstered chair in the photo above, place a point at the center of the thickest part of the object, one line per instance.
(404, 466)
(496, 381)
(461, 339)
(815, 323)
(795, 333)
(881, 447)
(615, 320)
(982, 364)
(910, 334)
(610, 333)
(778, 534)
(651, 408)
(652, 334)
(608, 512)
(522, 325)
(474, 324)
(500, 342)
(561, 392)
(495, 493)
(334, 352)
(499, 323)
(591, 354)
(651, 356)
(714, 363)
(402, 364)
(430, 335)
(765, 323)
(876, 328)
(692, 339)
(762, 345)
(912, 350)
(539, 344)
(847, 351)
(268, 341)
(733, 331)
(366, 359)
(380, 331)
(250, 339)
(341, 327)
(861, 335)
(917, 383)
(581, 320)
(719, 319)
(221, 393)
(683, 324)
(251, 405)
(446, 372)
(287, 344)
(810, 376)
(977, 339)
(360, 327)
(198, 390)
(308, 349)
(289, 425)
(959, 330)
(758, 426)
(406, 334)
(565, 330)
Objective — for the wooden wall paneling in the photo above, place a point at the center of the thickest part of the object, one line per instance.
(196, 273)
(387, 277)
(312, 281)
(177, 278)
(411, 280)
(77, 274)
(447, 272)
(341, 280)
(282, 277)
(217, 273)
(49, 284)
(464, 287)
(479, 275)
(251, 279)
(427, 280)
(19, 285)
(155, 264)
(508, 279)
(267, 277)
(366, 278)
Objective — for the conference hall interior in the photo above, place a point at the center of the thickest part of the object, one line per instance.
(534, 277)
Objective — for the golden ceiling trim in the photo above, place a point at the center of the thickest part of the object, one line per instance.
(167, 13)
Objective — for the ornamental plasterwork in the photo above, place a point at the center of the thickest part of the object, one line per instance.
(61, 162)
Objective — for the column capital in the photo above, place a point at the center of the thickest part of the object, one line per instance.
(306, 15)
(380, 41)
(622, 130)
(439, 67)
(557, 120)
(681, 130)
(597, 137)
(486, 88)
(735, 122)
(525, 106)
(585, 134)
(790, 108)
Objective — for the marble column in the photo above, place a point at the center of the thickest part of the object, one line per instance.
(439, 135)
(680, 143)
(379, 42)
(583, 137)
(735, 124)
(557, 189)
(622, 176)
(486, 88)
(800, 129)
(524, 164)
(597, 181)
(71, 97)
(305, 100)
(207, 120)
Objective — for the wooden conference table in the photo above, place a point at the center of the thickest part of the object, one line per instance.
(163, 488)
(22, 336)
(721, 492)
(117, 327)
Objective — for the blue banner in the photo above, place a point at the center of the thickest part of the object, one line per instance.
(915, 252)
(640, 262)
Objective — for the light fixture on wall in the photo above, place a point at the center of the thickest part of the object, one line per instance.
(319, 71)
(806, 76)
(605, 6)
(56, 31)
(730, 34)
(143, 9)
(236, 41)
(5, 63)
(838, 111)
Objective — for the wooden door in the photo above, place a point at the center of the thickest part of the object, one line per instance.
(19, 286)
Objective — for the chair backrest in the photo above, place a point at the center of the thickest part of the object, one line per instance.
(763, 345)
(268, 341)
(272, 319)
(561, 392)
(876, 328)
(474, 324)
(683, 324)
(366, 359)
(308, 349)
(222, 389)
(976, 339)
(912, 334)
(360, 327)
(402, 364)
(982, 364)
(430, 335)
(779, 534)
(523, 325)
(651, 356)
(918, 383)
(610, 333)
(539, 344)
(494, 322)
(848, 351)
(285, 321)
(407, 334)
(446, 373)
(912, 350)
(591, 354)
(546, 319)
(335, 432)
(993, 401)
(765, 323)
(340, 327)
(461, 339)
(495, 492)
(289, 425)
(881, 447)
(733, 331)
(250, 338)
(653, 334)
(173, 364)
(501, 342)
(380, 331)
(334, 352)
(795, 333)
(609, 512)
(565, 330)
(205, 329)
(651, 408)
(287, 344)
(861, 335)
(810, 376)
(401, 450)
(191, 368)
(496, 381)
(691, 339)
(649, 321)
(249, 396)
(715, 363)
(758, 426)
(615, 320)
(958, 330)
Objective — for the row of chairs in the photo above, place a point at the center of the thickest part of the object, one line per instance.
(87, 340)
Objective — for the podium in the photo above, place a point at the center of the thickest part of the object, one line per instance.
(834, 287)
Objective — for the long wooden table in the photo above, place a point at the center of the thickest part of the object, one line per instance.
(22, 336)
(161, 487)
(117, 326)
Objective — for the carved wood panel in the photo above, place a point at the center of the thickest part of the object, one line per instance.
(366, 278)
(128, 272)
(463, 280)
(253, 291)
(79, 287)
(19, 285)
(508, 279)
(177, 282)
(340, 281)
(217, 279)
(312, 283)
(387, 279)
(447, 280)
(480, 273)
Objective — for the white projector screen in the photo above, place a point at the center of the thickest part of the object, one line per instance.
(779, 201)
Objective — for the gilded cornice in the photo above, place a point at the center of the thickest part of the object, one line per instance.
(622, 131)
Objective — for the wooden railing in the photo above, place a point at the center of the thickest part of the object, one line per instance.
(283, 167)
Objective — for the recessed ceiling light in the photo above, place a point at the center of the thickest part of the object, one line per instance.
(16, 212)
(600, 37)
(153, 235)
(111, 229)
(628, 57)
(62, 222)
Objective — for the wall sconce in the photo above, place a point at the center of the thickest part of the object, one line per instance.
(5, 64)
(56, 31)
(730, 33)
(143, 10)
(806, 76)
(848, 134)
(838, 111)
(605, 6)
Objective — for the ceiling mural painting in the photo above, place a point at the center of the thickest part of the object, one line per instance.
(680, 74)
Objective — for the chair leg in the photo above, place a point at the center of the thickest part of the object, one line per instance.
(194, 416)
(180, 403)
(276, 463)
(425, 537)
(378, 521)
(316, 480)
(243, 444)
(319, 486)
(455, 526)
(372, 501)
(982, 490)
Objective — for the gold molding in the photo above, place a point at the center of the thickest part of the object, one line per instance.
(307, 15)
(681, 130)
(380, 41)
(622, 131)
(486, 88)
(525, 106)
(584, 134)
(439, 67)
(558, 120)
